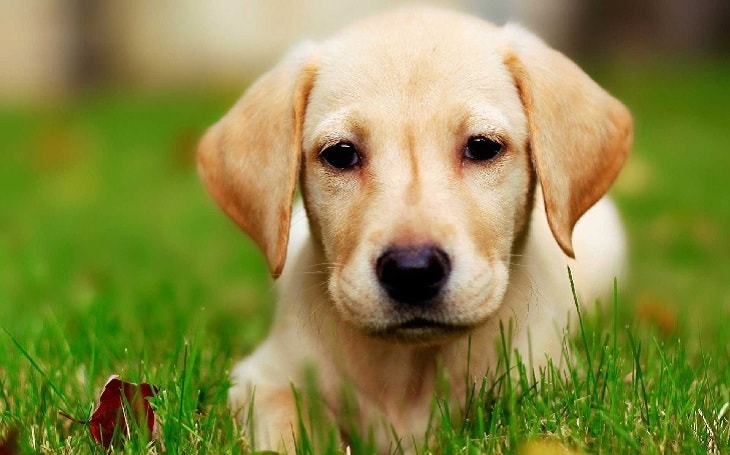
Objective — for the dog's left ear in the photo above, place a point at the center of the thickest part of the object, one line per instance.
(580, 135)
(249, 160)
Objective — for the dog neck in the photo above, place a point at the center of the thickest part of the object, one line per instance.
(390, 381)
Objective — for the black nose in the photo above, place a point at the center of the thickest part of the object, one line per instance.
(413, 275)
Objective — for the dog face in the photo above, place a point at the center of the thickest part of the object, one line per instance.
(416, 177)
(419, 137)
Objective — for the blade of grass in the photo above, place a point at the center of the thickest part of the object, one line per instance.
(636, 352)
(589, 359)
(37, 367)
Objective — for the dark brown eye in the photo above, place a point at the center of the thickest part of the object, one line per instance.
(480, 148)
(342, 155)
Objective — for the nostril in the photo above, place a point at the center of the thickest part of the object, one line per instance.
(413, 274)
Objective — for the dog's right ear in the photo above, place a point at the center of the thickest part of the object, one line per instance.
(249, 160)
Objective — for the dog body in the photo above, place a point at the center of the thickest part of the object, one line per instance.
(444, 165)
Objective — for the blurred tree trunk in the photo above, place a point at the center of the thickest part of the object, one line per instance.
(89, 43)
(656, 26)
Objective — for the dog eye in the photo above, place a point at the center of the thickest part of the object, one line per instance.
(342, 155)
(480, 148)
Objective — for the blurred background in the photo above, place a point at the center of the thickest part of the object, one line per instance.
(54, 47)
(101, 104)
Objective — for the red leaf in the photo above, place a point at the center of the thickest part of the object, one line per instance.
(9, 445)
(122, 407)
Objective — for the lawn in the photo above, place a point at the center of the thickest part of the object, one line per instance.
(113, 260)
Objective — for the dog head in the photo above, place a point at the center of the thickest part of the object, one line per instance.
(418, 136)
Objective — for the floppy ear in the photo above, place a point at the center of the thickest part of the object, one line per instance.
(580, 135)
(249, 160)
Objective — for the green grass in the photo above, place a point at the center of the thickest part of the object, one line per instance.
(114, 260)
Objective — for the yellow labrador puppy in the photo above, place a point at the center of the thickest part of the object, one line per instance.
(450, 169)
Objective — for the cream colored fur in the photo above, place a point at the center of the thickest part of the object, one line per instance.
(408, 89)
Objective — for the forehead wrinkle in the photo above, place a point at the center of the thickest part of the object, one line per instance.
(413, 192)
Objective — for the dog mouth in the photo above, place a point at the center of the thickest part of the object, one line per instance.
(418, 329)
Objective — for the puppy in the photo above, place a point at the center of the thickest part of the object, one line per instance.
(450, 170)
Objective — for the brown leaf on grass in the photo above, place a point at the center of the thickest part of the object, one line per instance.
(658, 313)
(119, 402)
(123, 407)
(9, 444)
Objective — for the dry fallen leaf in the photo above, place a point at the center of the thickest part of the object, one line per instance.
(120, 401)
(123, 407)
